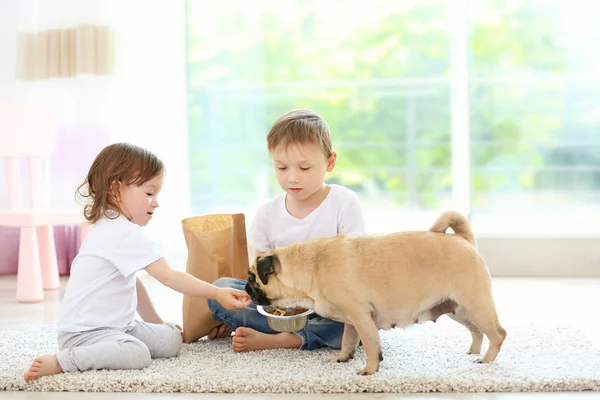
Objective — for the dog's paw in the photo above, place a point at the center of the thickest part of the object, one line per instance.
(367, 371)
(340, 358)
(479, 361)
(474, 349)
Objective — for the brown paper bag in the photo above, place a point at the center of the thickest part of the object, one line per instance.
(217, 248)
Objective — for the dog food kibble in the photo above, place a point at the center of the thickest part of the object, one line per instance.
(288, 312)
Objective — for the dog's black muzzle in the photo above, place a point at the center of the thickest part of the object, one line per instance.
(257, 295)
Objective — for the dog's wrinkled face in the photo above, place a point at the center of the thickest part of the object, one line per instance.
(268, 285)
(262, 283)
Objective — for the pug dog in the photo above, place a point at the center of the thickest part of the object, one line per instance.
(383, 282)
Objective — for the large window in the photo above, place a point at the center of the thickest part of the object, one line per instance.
(535, 111)
(386, 75)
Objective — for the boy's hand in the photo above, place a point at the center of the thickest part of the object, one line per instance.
(231, 298)
(221, 331)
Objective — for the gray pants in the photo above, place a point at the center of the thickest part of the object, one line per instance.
(113, 349)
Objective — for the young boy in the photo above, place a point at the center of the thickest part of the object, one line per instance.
(300, 146)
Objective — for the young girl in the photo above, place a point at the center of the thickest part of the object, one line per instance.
(96, 329)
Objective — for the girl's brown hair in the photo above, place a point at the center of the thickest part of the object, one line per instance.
(120, 162)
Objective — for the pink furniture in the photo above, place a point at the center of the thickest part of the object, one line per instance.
(27, 132)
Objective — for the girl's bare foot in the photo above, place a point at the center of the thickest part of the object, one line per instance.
(44, 365)
(247, 339)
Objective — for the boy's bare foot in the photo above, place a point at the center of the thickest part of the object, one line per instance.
(247, 339)
(44, 365)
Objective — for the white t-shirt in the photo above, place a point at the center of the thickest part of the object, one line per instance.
(273, 226)
(101, 290)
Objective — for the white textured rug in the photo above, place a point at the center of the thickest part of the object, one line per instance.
(425, 358)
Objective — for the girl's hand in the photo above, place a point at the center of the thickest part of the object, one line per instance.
(180, 330)
(231, 298)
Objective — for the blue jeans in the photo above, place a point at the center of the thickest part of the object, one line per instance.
(318, 332)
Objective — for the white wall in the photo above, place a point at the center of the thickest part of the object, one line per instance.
(144, 103)
(573, 256)
(150, 107)
(8, 31)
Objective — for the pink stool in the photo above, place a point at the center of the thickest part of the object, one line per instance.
(27, 132)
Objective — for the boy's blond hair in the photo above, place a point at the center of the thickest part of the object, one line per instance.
(300, 126)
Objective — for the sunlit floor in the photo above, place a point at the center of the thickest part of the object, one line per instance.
(565, 301)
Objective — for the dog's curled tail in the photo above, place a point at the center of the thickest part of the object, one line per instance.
(458, 222)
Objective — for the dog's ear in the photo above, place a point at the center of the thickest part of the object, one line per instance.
(266, 266)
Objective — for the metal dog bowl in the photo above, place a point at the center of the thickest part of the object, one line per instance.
(285, 323)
